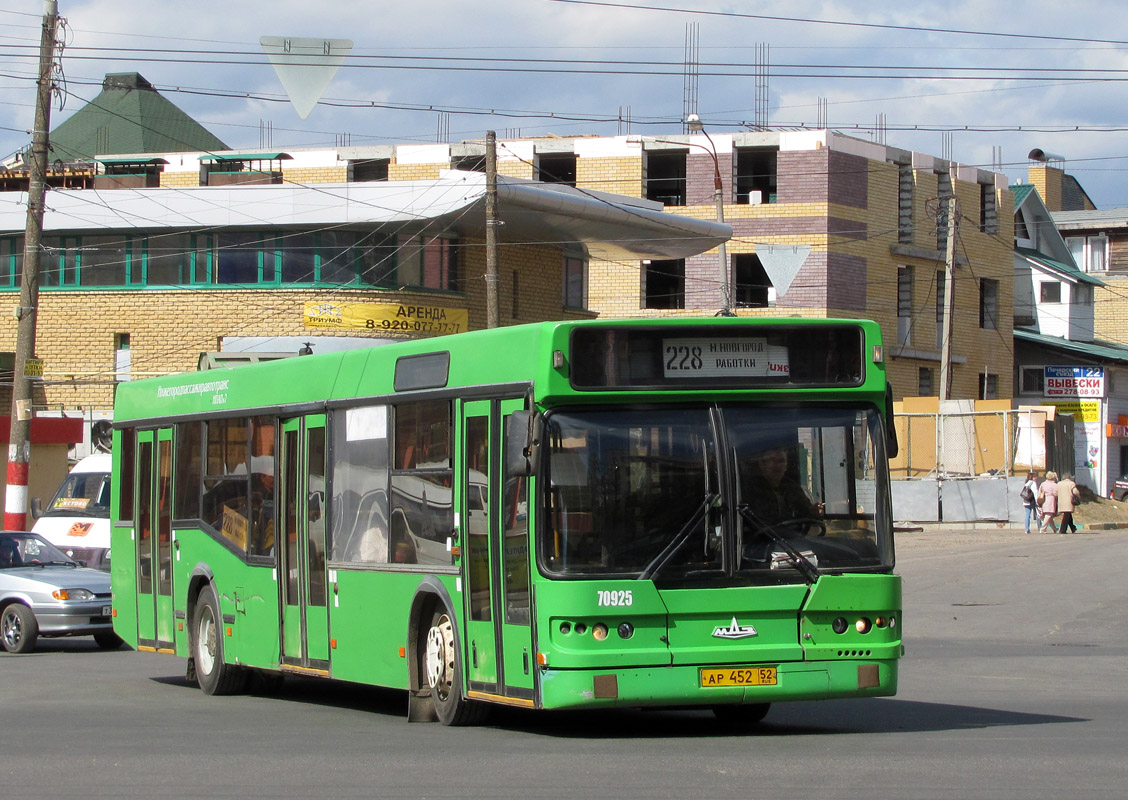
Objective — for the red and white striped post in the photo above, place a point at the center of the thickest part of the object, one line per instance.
(15, 499)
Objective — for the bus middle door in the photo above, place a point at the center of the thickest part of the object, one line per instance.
(305, 618)
(153, 498)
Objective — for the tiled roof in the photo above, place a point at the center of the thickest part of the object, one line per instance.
(129, 116)
(1068, 270)
(1097, 350)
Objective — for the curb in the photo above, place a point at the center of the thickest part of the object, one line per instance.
(986, 526)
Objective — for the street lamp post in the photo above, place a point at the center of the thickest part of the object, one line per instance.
(695, 124)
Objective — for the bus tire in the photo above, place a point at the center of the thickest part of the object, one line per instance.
(19, 629)
(442, 669)
(213, 675)
(741, 714)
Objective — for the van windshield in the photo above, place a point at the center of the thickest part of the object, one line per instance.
(82, 494)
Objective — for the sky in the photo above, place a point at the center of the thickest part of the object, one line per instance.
(976, 81)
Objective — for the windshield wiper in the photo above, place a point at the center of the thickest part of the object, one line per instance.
(678, 542)
(801, 562)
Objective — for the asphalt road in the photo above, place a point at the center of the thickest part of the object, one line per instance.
(1013, 685)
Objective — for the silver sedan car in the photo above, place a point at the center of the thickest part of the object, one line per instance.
(44, 593)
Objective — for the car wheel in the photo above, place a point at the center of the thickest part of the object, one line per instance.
(212, 674)
(108, 640)
(18, 629)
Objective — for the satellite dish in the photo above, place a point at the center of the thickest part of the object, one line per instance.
(101, 435)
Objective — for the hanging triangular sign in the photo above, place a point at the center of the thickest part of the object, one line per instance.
(781, 262)
(305, 66)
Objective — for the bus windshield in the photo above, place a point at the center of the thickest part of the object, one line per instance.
(715, 491)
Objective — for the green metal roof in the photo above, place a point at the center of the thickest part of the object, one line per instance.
(221, 157)
(1099, 351)
(1021, 190)
(129, 116)
(1068, 270)
(114, 162)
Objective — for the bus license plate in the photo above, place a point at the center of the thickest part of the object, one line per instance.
(739, 676)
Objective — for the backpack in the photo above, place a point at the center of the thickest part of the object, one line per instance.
(1027, 494)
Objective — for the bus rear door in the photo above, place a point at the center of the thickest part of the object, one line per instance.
(494, 524)
(305, 621)
(153, 486)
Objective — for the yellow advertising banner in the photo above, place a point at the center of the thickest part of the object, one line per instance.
(389, 317)
(1082, 410)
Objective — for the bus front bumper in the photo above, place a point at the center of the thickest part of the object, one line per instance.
(682, 685)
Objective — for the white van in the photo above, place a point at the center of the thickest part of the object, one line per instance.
(77, 520)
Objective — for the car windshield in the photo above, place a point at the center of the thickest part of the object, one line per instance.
(82, 494)
(725, 492)
(29, 550)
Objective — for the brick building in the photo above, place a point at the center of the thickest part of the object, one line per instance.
(823, 225)
(144, 281)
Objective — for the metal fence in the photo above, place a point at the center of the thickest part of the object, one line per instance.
(969, 466)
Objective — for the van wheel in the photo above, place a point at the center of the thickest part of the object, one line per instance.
(442, 668)
(212, 674)
(18, 629)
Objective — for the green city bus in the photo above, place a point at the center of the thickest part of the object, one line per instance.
(676, 513)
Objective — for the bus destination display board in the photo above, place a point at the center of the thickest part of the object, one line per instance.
(689, 356)
(727, 357)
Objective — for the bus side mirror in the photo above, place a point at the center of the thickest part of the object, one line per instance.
(522, 443)
(891, 445)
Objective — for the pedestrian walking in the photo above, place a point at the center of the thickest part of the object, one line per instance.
(1067, 496)
(1047, 501)
(1029, 495)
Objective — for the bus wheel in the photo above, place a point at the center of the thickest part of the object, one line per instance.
(18, 629)
(737, 714)
(212, 674)
(108, 640)
(443, 670)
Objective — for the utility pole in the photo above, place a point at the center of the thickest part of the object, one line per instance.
(493, 303)
(949, 301)
(19, 442)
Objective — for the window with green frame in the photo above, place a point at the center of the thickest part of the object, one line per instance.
(241, 258)
(11, 261)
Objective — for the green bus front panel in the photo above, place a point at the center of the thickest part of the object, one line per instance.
(657, 642)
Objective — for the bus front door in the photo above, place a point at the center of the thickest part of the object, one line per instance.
(305, 619)
(494, 525)
(153, 504)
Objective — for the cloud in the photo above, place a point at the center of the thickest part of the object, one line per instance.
(581, 38)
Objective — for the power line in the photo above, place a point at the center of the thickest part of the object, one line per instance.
(845, 24)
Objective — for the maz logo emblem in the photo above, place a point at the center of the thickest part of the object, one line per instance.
(735, 631)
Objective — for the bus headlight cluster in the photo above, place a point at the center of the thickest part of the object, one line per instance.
(863, 624)
(599, 631)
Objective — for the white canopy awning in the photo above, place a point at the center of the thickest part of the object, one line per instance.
(610, 226)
